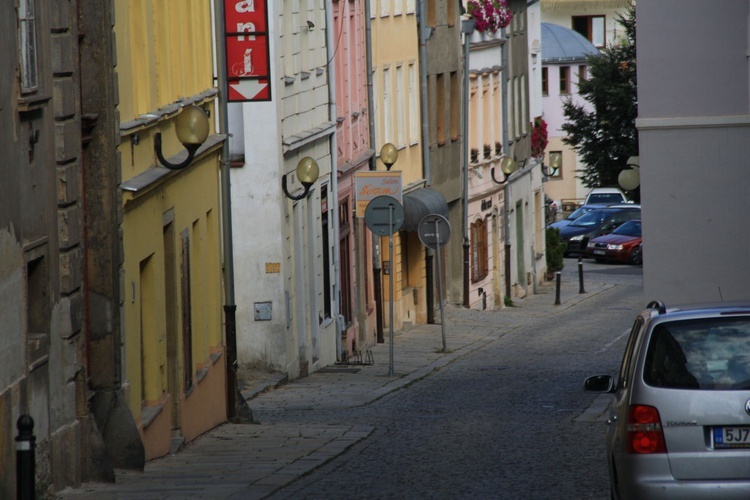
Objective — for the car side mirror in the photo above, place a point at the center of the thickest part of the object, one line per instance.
(599, 383)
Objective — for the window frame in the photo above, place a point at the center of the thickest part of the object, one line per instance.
(564, 80)
(479, 251)
(28, 47)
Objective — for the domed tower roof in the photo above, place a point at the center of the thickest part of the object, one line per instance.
(563, 45)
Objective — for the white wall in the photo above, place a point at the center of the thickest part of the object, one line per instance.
(694, 131)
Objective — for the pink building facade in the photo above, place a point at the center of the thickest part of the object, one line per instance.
(357, 299)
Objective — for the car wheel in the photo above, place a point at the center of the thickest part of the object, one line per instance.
(636, 256)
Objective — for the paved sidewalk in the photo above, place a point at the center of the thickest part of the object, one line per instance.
(245, 461)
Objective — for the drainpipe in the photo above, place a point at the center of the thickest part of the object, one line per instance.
(376, 269)
(333, 207)
(467, 28)
(506, 188)
(237, 409)
(424, 32)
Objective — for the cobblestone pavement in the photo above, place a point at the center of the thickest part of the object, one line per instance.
(501, 414)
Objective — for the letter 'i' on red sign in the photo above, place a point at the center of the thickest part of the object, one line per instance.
(246, 36)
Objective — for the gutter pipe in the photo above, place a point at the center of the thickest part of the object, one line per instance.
(422, 31)
(237, 409)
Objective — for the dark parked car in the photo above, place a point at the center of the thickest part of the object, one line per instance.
(595, 223)
(679, 421)
(575, 214)
(624, 244)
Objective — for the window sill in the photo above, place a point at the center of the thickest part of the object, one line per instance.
(32, 102)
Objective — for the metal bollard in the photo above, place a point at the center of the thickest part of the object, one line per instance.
(557, 288)
(25, 464)
(580, 275)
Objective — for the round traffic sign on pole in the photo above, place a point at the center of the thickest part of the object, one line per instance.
(434, 230)
(384, 215)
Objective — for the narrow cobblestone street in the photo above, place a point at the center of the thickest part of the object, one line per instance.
(501, 415)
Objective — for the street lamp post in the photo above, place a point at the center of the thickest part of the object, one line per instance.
(467, 28)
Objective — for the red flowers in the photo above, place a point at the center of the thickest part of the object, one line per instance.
(489, 15)
(538, 137)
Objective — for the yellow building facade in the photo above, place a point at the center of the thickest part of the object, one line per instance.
(173, 353)
(397, 112)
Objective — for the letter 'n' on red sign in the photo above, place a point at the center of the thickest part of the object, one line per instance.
(246, 36)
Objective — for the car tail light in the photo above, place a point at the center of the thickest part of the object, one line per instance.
(645, 433)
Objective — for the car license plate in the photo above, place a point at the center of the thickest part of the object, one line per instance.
(599, 252)
(731, 437)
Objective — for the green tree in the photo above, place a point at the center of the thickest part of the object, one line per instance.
(603, 132)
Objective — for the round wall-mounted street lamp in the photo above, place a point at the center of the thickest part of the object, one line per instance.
(191, 127)
(555, 162)
(630, 178)
(507, 167)
(388, 155)
(307, 173)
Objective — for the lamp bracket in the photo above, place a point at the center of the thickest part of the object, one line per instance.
(191, 150)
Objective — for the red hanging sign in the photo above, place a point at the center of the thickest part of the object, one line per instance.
(247, 50)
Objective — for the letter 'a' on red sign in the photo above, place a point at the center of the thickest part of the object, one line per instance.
(247, 51)
(241, 14)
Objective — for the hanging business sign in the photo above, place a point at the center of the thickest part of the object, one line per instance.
(247, 50)
(370, 183)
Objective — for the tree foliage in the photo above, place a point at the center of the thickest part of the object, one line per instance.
(603, 132)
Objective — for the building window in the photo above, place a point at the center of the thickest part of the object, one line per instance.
(455, 109)
(385, 8)
(400, 106)
(387, 106)
(592, 27)
(479, 251)
(345, 266)
(324, 231)
(376, 111)
(431, 15)
(411, 6)
(545, 82)
(27, 43)
(413, 105)
(564, 79)
(524, 106)
(440, 109)
(187, 322)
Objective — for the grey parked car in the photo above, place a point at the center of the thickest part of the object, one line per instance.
(679, 422)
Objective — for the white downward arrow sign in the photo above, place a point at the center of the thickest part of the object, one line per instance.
(247, 89)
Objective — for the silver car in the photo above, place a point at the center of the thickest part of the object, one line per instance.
(679, 421)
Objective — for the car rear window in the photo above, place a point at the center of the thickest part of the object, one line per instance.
(704, 354)
(605, 198)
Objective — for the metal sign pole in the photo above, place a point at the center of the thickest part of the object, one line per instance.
(390, 279)
(440, 284)
(377, 220)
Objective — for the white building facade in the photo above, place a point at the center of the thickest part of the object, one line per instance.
(284, 248)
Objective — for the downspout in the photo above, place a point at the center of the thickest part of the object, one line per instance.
(333, 207)
(376, 271)
(422, 37)
(506, 188)
(237, 409)
(467, 28)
